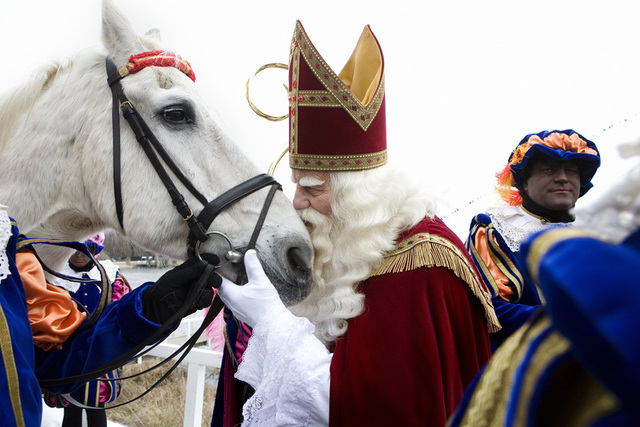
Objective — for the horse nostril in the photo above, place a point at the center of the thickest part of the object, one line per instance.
(299, 264)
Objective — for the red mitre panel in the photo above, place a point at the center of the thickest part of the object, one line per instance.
(329, 128)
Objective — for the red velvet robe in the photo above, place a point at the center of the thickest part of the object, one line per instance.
(421, 339)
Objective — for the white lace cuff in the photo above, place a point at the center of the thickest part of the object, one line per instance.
(289, 369)
(5, 235)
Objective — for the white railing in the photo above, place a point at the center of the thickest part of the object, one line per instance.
(197, 361)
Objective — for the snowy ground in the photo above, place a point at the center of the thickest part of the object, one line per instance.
(52, 417)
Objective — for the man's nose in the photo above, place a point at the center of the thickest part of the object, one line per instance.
(561, 175)
(299, 200)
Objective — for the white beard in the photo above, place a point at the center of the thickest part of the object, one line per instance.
(352, 240)
(336, 273)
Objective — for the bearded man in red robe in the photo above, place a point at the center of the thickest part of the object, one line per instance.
(396, 324)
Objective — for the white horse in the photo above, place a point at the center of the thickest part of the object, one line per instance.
(56, 154)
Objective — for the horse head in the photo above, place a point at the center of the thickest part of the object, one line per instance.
(57, 157)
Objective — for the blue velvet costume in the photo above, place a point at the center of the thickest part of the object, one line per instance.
(506, 227)
(511, 314)
(120, 328)
(576, 361)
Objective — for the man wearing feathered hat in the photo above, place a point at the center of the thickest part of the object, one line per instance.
(575, 362)
(397, 322)
(544, 177)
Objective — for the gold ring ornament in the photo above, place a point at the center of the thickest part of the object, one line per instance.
(252, 105)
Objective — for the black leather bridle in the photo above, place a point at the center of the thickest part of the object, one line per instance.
(153, 149)
(198, 233)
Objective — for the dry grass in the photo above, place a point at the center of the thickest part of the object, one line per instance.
(164, 405)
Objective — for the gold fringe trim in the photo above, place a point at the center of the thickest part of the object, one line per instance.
(429, 250)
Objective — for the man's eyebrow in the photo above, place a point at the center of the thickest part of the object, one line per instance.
(309, 181)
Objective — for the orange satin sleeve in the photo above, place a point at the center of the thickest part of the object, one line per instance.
(52, 313)
(504, 289)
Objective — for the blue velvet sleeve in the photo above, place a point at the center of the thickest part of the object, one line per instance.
(592, 294)
(511, 317)
(120, 328)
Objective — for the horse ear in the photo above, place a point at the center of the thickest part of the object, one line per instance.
(118, 35)
(151, 39)
(153, 33)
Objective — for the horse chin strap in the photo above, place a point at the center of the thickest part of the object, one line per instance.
(154, 150)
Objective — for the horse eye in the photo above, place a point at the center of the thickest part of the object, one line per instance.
(176, 115)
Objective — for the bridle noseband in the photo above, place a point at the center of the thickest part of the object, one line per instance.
(198, 225)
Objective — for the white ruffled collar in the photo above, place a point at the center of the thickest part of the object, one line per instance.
(515, 224)
(109, 267)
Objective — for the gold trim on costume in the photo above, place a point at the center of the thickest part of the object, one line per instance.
(550, 349)
(489, 400)
(430, 250)
(361, 114)
(542, 244)
(506, 267)
(596, 400)
(337, 163)
(481, 264)
(542, 219)
(515, 371)
(13, 380)
(294, 60)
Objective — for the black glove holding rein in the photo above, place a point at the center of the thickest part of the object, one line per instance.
(165, 297)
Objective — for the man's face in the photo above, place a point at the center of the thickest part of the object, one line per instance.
(313, 190)
(553, 184)
(79, 260)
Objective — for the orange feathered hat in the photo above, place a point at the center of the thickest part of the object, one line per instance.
(560, 145)
(336, 121)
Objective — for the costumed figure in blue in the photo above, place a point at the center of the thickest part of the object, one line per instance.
(45, 336)
(575, 362)
(544, 176)
(94, 394)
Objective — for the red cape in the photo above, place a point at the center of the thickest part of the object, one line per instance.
(420, 341)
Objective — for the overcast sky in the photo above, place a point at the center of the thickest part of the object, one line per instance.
(466, 80)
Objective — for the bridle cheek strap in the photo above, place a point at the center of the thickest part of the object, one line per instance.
(148, 142)
(136, 63)
(153, 149)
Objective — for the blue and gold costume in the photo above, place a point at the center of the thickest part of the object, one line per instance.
(495, 236)
(120, 327)
(19, 389)
(486, 240)
(576, 361)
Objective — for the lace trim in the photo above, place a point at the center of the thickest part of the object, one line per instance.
(515, 225)
(279, 362)
(5, 235)
(109, 267)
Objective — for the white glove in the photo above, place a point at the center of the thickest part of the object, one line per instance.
(252, 300)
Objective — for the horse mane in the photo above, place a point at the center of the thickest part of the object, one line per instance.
(15, 102)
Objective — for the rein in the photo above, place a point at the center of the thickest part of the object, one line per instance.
(198, 225)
